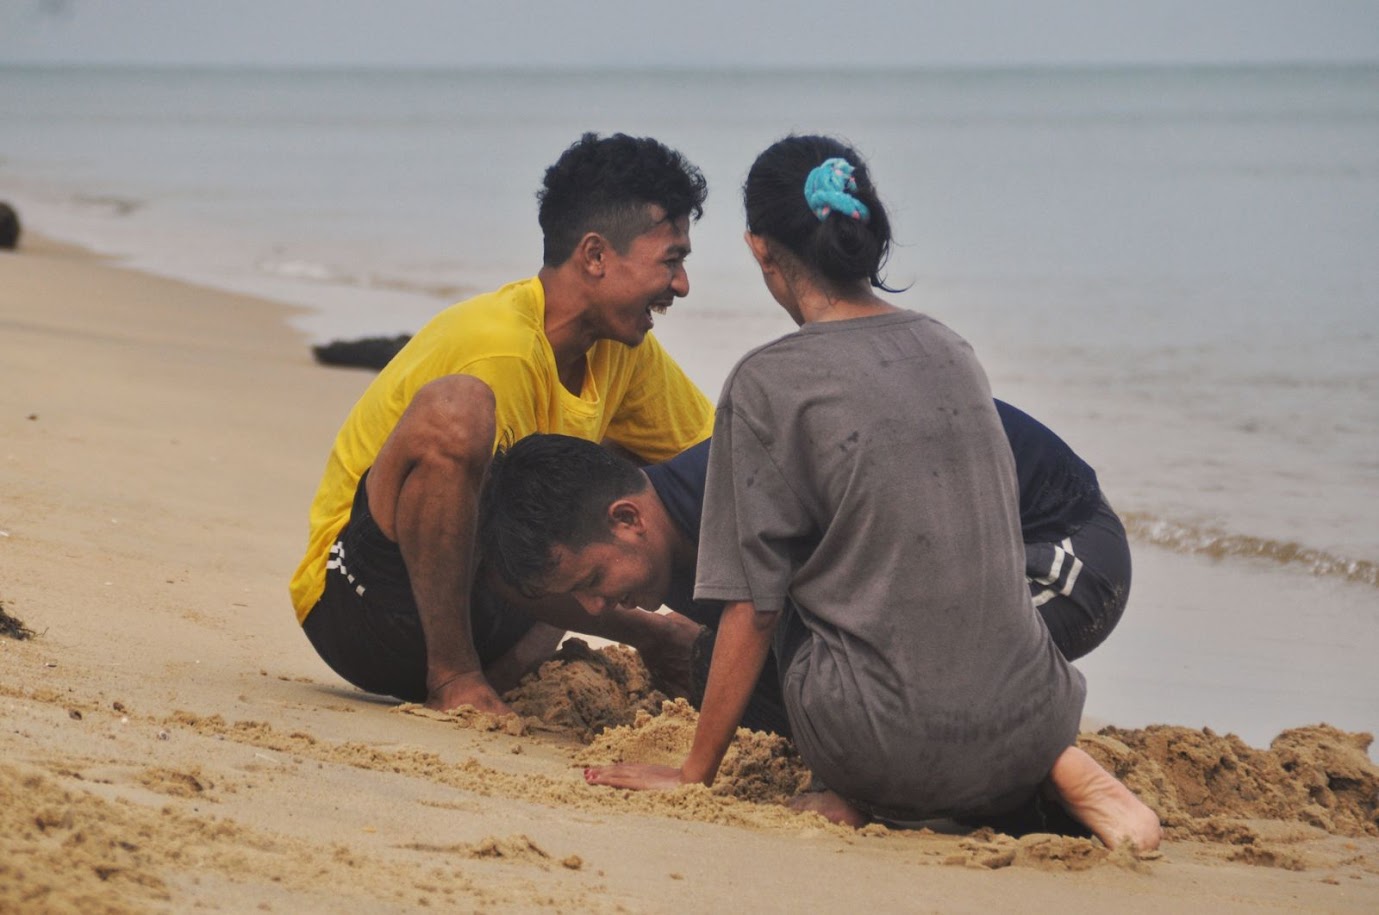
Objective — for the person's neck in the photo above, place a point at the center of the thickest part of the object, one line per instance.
(565, 326)
(684, 552)
(819, 304)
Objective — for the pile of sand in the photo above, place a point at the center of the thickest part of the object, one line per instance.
(1316, 775)
(583, 692)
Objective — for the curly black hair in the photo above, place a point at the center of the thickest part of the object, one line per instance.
(604, 184)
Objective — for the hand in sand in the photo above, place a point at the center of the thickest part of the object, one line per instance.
(467, 689)
(636, 776)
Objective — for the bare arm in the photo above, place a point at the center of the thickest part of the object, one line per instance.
(664, 640)
(744, 638)
(535, 646)
(423, 492)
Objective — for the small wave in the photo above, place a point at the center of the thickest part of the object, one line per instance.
(449, 292)
(316, 272)
(302, 270)
(108, 203)
(1219, 544)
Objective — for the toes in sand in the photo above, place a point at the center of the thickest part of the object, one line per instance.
(1099, 801)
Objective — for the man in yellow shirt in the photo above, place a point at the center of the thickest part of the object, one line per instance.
(386, 592)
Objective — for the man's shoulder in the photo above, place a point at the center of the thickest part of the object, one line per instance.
(679, 483)
(503, 322)
(685, 472)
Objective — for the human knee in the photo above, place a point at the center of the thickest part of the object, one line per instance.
(452, 420)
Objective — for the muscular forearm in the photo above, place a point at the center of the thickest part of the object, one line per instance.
(628, 625)
(631, 626)
(436, 538)
(423, 491)
(536, 645)
(744, 638)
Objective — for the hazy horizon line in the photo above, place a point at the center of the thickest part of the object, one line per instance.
(602, 68)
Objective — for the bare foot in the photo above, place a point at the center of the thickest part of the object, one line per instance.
(1099, 801)
(829, 805)
(468, 689)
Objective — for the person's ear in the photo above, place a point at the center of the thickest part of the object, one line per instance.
(625, 515)
(592, 254)
(761, 250)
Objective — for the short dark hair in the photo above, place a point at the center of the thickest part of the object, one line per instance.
(604, 185)
(839, 248)
(547, 491)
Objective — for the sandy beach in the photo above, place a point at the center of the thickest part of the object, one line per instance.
(169, 740)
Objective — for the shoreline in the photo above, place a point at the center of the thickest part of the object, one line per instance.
(161, 442)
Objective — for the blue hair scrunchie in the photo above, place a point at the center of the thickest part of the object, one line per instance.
(826, 189)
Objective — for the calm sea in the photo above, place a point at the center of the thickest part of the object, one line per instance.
(1178, 269)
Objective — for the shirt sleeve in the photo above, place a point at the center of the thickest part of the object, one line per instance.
(663, 412)
(756, 532)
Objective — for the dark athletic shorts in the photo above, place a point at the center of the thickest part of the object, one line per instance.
(1080, 585)
(366, 625)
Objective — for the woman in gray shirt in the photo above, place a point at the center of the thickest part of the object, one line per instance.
(861, 518)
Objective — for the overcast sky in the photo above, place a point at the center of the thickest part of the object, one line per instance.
(710, 33)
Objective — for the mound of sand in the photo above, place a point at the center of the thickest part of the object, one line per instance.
(1316, 775)
(583, 692)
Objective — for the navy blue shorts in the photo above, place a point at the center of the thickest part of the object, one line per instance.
(1080, 585)
(366, 626)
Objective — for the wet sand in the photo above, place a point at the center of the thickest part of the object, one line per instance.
(169, 741)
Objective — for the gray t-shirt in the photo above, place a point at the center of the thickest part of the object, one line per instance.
(860, 480)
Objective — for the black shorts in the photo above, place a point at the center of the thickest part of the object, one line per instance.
(366, 626)
(1081, 584)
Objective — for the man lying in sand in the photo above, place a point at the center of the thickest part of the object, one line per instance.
(385, 592)
(565, 517)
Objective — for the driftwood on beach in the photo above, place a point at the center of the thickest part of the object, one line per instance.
(364, 353)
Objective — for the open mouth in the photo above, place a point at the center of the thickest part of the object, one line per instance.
(660, 308)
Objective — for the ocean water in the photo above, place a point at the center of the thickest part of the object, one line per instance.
(1177, 269)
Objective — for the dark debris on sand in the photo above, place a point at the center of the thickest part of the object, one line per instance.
(12, 627)
(365, 353)
(9, 227)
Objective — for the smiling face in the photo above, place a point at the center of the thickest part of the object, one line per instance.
(644, 279)
(631, 569)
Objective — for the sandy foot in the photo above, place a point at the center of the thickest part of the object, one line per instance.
(1098, 800)
(829, 805)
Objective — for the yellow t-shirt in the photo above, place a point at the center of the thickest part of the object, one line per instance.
(635, 396)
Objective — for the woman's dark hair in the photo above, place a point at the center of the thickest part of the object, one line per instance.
(604, 184)
(841, 249)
